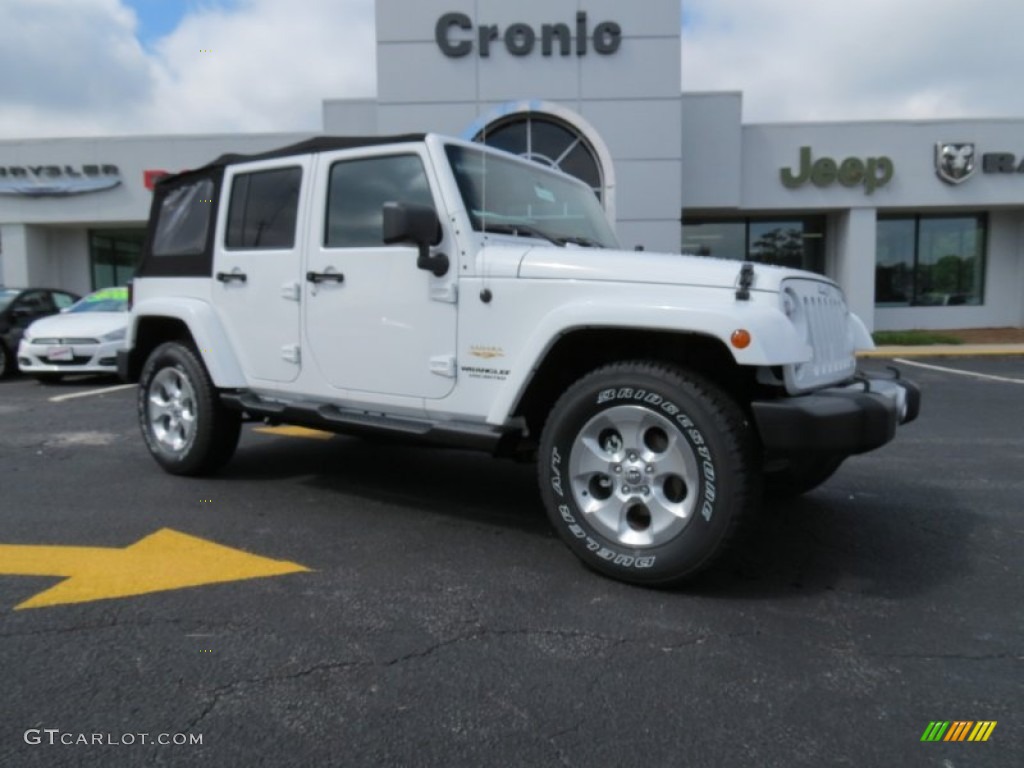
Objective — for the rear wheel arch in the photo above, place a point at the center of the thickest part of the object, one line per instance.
(200, 331)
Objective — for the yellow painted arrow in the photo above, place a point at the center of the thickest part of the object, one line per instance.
(161, 561)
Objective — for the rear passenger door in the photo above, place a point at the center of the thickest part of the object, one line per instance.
(376, 323)
(257, 290)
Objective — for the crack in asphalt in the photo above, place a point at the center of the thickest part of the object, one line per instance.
(220, 692)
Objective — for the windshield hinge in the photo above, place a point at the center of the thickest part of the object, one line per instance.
(746, 281)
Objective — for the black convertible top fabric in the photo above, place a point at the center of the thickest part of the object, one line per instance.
(317, 144)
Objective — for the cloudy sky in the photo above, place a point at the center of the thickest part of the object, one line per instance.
(114, 67)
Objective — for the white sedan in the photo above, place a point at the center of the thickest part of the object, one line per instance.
(84, 338)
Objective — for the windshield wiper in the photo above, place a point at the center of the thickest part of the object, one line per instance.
(526, 229)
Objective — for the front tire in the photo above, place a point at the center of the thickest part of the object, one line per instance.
(186, 428)
(647, 472)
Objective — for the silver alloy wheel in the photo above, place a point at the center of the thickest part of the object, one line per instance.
(634, 476)
(171, 408)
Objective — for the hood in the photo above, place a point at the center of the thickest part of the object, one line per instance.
(645, 267)
(78, 325)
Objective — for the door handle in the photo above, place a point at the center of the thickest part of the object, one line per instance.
(324, 277)
(227, 277)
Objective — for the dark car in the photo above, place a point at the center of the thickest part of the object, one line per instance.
(19, 307)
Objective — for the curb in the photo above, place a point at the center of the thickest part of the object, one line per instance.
(944, 350)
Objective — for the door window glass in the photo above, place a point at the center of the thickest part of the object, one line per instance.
(358, 191)
(264, 208)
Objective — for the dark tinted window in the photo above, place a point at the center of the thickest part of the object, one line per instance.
(930, 261)
(35, 302)
(184, 220)
(358, 191)
(263, 209)
(797, 242)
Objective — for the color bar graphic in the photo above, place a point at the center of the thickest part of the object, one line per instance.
(935, 730)
(958, 730)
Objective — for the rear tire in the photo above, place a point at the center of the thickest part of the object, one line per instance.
(647, 472)
(6, 366)
(186, 428)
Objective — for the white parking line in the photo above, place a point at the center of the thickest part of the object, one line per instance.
(986, 376)
(90, 393)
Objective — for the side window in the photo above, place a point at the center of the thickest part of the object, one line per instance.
(63, 300)
(357, 193)
(263, 210)
(36, 302)
(184, 220)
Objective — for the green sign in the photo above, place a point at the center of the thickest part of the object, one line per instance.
(869, 173)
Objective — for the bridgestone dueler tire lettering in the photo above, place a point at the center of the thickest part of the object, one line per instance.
(707, 424)
(216, 428)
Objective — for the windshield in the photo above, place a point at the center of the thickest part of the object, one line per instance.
(107, 300)
(6, 297)
(513, 197)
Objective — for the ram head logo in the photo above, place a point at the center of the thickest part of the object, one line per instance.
(954, 162)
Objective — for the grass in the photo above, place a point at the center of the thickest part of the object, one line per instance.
(913, 338)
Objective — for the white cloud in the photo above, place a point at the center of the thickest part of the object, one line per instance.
(808, 59)
(75, 67)
(69, 66)
(270, 65)
(79, 69)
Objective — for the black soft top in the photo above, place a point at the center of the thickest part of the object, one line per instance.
(198, 262)
(315, 144)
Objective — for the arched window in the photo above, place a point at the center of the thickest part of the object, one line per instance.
(549, 141)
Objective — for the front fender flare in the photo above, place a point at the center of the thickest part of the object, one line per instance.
(774, 339)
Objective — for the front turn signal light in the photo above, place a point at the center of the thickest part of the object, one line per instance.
(740, 339)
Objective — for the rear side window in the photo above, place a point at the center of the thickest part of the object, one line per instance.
(184, 220)
(358, 191)
(263, 210)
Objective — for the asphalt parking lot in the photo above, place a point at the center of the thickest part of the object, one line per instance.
(415, 609)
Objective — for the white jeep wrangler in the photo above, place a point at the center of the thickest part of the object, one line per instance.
(442, 292)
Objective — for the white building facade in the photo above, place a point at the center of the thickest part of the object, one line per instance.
(922, 223)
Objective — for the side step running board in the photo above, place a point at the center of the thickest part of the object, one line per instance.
(330, 418)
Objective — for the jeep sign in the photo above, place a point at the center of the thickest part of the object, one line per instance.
(870, 173)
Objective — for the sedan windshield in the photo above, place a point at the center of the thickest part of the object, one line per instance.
(107, 300)
(513, 197)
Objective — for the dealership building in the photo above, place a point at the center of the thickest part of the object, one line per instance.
(920, 222)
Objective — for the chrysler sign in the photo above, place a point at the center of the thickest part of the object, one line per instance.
(57, 180)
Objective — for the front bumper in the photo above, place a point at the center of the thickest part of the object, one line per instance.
(76, 358)
(839, 421)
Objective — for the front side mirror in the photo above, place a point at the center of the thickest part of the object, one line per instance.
(419, 226)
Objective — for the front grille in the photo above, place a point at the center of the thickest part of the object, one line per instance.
(76, 360)
(65, 342)
(825, 318)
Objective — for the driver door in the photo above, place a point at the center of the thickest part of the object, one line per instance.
(376, 323)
